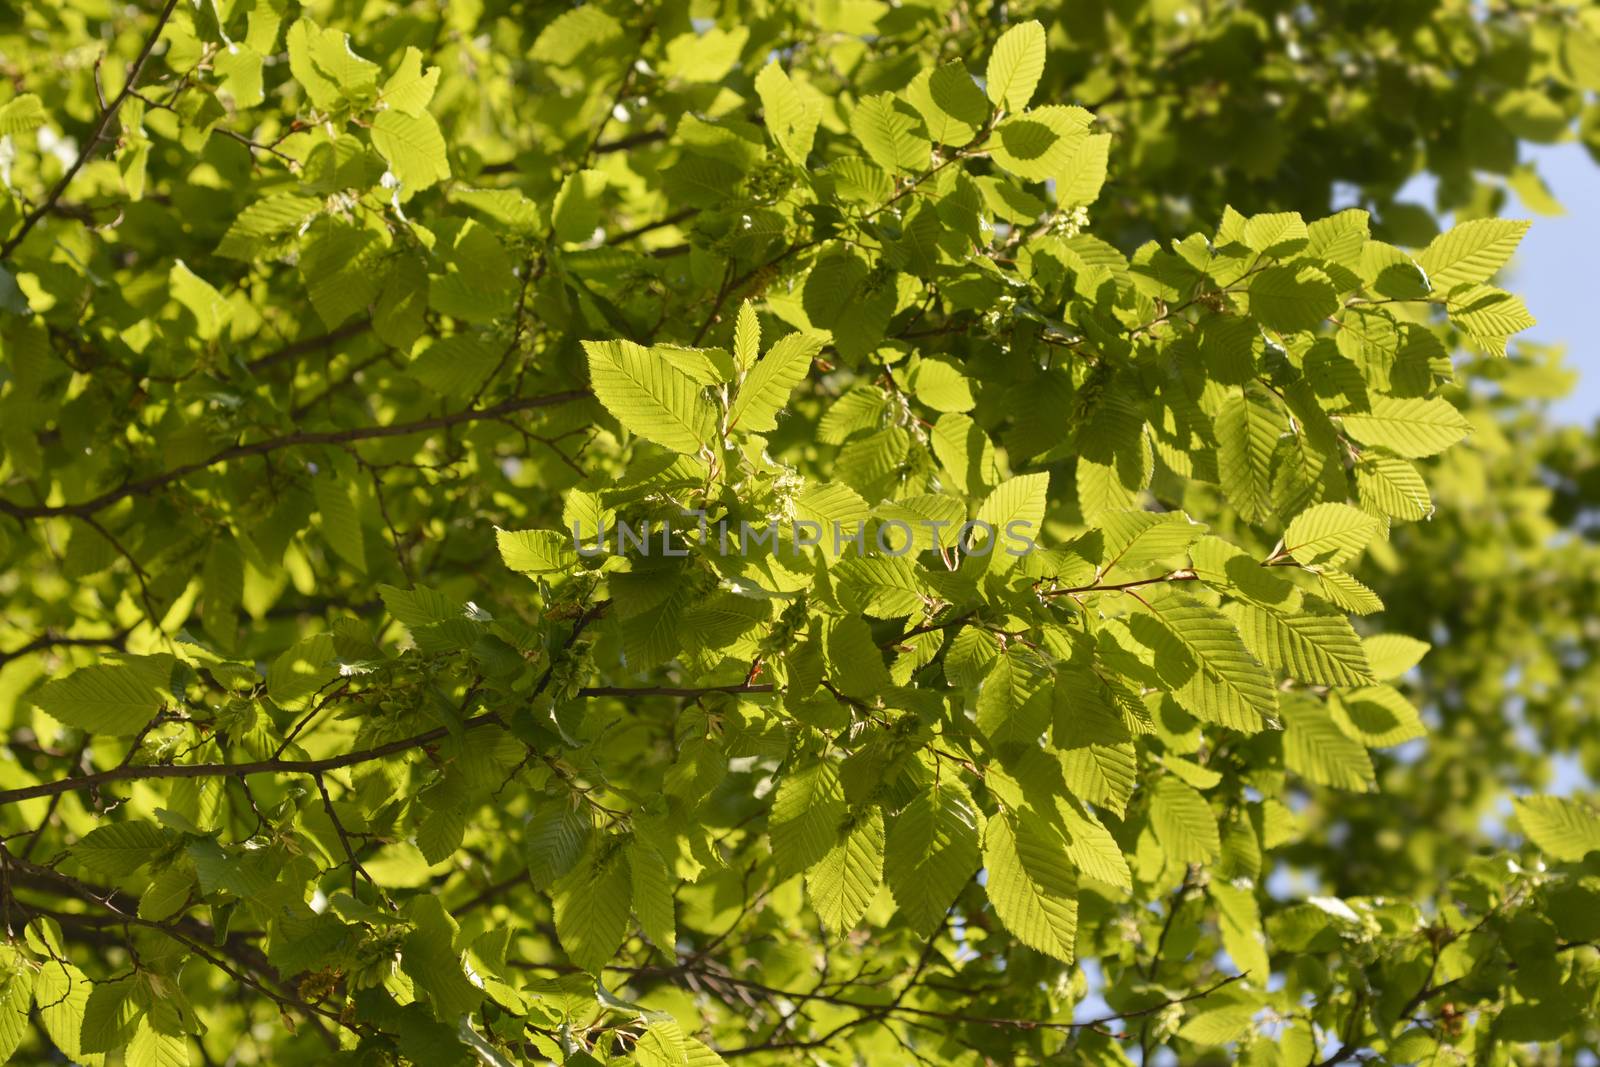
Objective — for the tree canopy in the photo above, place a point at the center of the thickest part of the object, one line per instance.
(333, 334)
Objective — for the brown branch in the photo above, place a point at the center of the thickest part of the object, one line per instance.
(95, 136)
(150, 484)
(317, 767)
(48, 641)
(1175, 576)
(669, 691)
(295, 349)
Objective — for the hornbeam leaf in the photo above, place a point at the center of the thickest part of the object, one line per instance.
(1248, 429)
(932, 852)
(747, 338)
(1314, 746)
(765, 390)
(653, 902)
(1487, 312)
(1315, 649)
(1015, 512)
(150, 1047)
(806, 814)
(649, 396)
(22, 114)
(591, 909)
(1391, 486)
(1091, 847)
(1183, 822)
(1032, 884)
(120, 848)
(842, 884)
(950, 103)
(413, 147)
(108, 698)
(1199, 655)
(1392, 655)
(1015, 65)
(1291, 300)
(61, 992)
(1413, 427)
(1329, 535)
(791, 117)
(1566, 829)
(891, 132)
(1471, 251)
(1378, 716)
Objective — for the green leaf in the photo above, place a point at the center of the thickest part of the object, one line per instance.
(1314, 746)
(806, 814)
(201, 298)
(412, 146)
(1289, 299)
(1031, 883)
(553, 841)
(1276, 234)
(931, 853)
(591, 908)
(1392, 655)
(791, 117)
(1486, 312)
(1091, 847)
(1377, 716)
(1199, 655)
(950, 102)
(1347, 591)
(1015, 65)
(747, 338)
(341, 519)
(1240, 925)
(120, 848)
(268, 220)
(649, 396)
(16, 1000)
(576, 213)
(843, 883)
(61, 992)
(1248, 429)
(409, 88)
(1413, 427)
(1015, 511)
(1314, 649)
(1018, 676)
(1471, 251)
(653, 903)
(890, 131)
(1391, 486)
(109, 1017)
(22, 114)
(1183, 822)
(1565, 829)
(1329, 535)
(765, 390)
(429, 957)
(1043, 144)
(151, 1047)
(538, 551)
(108, 698)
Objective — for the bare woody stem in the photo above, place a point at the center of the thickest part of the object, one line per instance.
(96, 135)
(318, 767)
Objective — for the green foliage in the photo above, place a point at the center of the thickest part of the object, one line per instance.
(344, 726)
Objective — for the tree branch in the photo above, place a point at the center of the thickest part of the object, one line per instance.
(318, 767)
(96, 135)
(154, 482)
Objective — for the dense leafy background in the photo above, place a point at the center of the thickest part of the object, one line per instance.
(321, 324)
